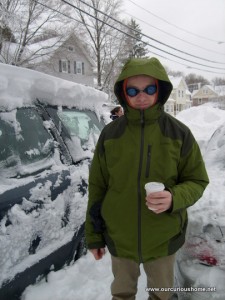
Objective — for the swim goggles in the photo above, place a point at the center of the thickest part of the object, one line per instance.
(149, 90)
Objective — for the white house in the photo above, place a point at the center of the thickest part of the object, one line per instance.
(180, 97)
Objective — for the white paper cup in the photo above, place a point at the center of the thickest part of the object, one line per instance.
(152, 187)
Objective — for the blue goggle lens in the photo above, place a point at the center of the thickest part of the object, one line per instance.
(149, 90)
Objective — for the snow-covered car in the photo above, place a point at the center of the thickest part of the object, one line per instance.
(200, 265)
(44, 170)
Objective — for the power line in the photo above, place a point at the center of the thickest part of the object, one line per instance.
(202, 37)
(144, 35)
(174, 36)
(133, 38)
(182, 58)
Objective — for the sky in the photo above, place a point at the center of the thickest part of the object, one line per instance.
(196, 27)
(88, 279)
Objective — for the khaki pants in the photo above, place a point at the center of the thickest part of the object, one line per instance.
(159, 274)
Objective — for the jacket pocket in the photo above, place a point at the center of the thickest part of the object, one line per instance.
(147, 171)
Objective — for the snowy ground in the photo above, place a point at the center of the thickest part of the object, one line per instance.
(88, 279)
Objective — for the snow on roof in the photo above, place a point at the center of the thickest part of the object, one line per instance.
(45, 49)
(175, 81)
(187, 92)
(209, 87)
(20, 86)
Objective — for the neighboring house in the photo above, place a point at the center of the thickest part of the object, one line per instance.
(207, 93)
(180, 97)
(170, 106)
(204, 95)
(65, 58)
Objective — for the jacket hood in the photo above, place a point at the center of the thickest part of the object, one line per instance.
(144, 66)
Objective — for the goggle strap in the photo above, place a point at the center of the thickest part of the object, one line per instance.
(157, 91)
(125, 92)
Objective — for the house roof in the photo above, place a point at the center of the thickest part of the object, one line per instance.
(187, 92)
(57, 42)
(209, 87)
(176, 81)
(201, 91)
(44, 49)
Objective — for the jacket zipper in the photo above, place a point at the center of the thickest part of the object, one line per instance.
(148, 162)
(139, 184)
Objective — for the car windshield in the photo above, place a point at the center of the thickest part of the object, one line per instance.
(25, 144)
(79, 124)
(80, 130)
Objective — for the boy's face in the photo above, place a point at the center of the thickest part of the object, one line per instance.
(142, 100)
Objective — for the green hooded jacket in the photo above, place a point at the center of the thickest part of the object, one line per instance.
(139, 147)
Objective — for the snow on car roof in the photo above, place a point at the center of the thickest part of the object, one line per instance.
(20, 87)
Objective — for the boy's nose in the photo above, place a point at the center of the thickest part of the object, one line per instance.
(141, 95)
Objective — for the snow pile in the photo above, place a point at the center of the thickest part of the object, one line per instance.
(203, 120)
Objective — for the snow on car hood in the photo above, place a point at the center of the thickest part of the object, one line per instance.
(20, 86)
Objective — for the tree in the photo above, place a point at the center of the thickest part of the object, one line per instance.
(97, 17)
(27, 20)
(218, 81)
(135, 47)
(193, 80)
(175, 73)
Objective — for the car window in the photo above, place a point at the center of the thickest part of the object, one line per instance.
(80, 130)
(25, 144)
(79, 124)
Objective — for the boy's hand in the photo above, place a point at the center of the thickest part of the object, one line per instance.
(98, 253)
(159, 202)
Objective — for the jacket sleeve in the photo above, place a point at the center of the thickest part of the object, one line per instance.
(192, 176)
(98, 184)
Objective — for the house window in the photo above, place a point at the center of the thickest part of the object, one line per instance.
(167, 108)
(79, 67)
(70, 48)
(64, 66)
